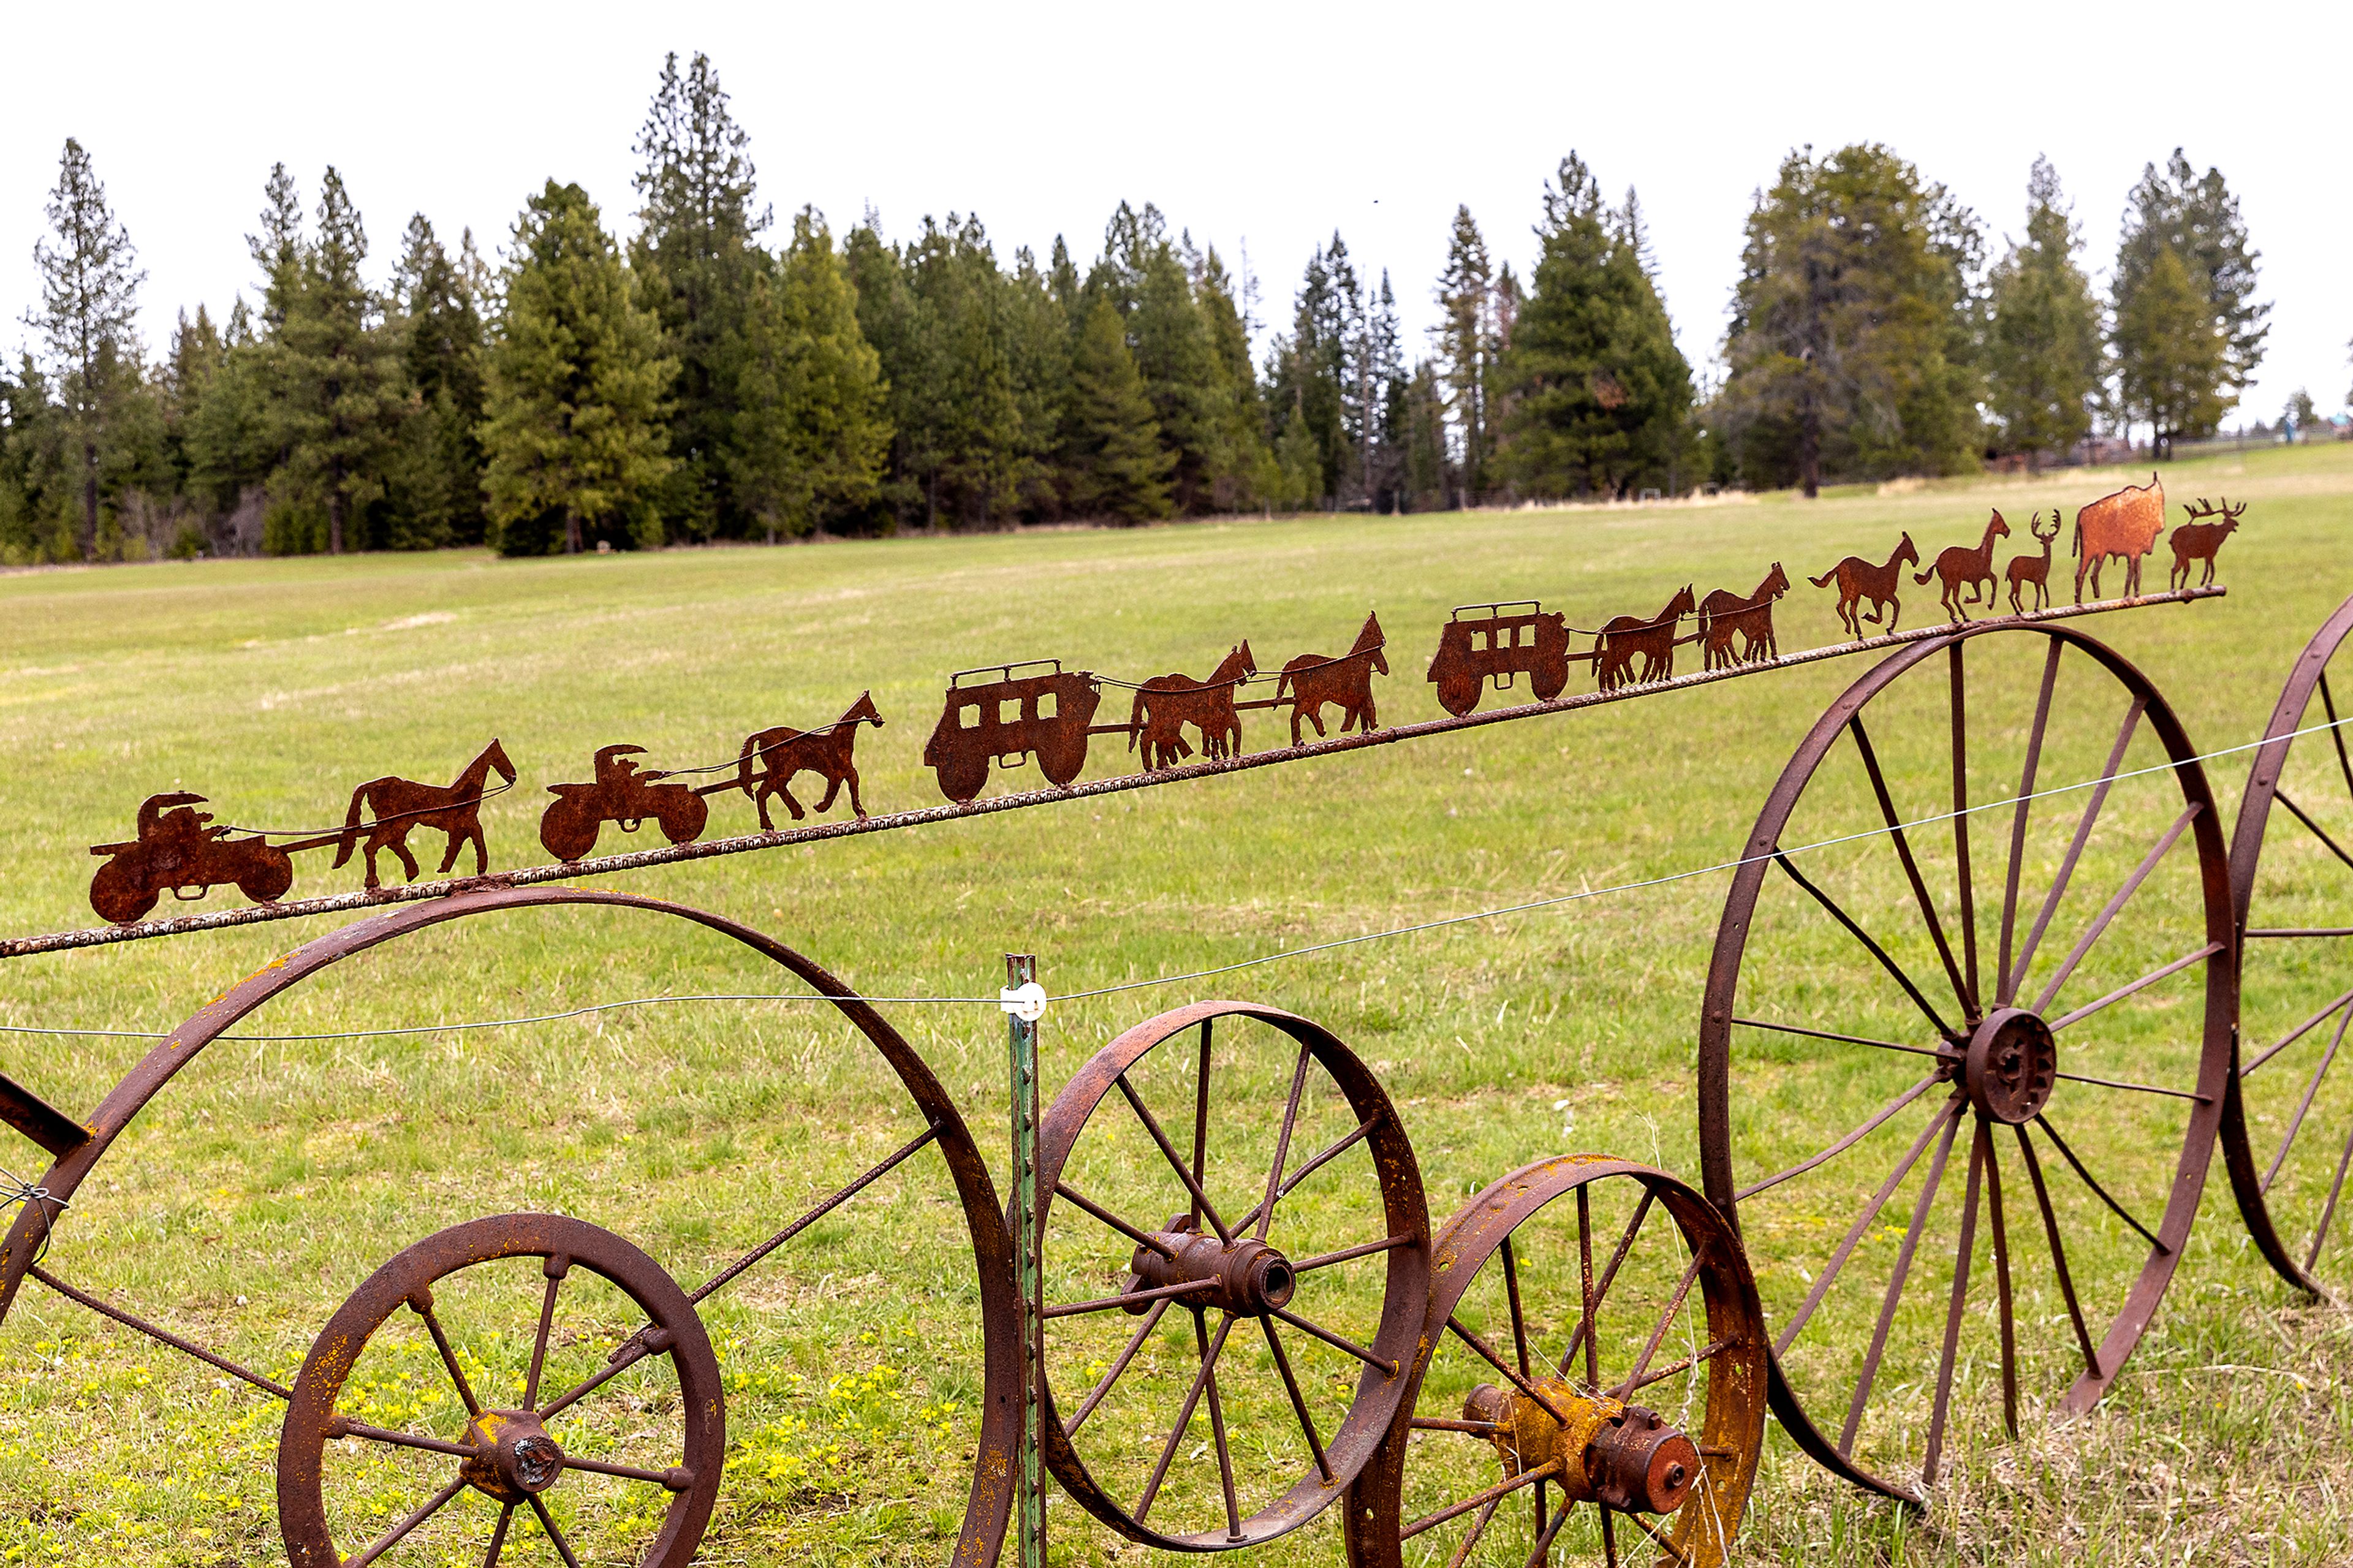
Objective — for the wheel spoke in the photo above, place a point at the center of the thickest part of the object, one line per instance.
(2135, 1088)
(1608, 1538)
(1519, 1321)
(1338, 1343)
(2017, 976)
(1317, 1163)
(1134, 1343)
(1202, 1207)
(648, 1341)
(2121, 992)
(1201, 1116)
(2285, 1041)
(1659, 1334)
(1850, 1140)
(1325, 1259)
(1863, 1221)
(547, 1523)
(1129, 1298)
(2303, 1106)
(391, 1537)
(1961, 827)
(1494, 1494)
(344, 1426)
(161, 1336)
(2017, 820)
(905, 1151)
(1298, 1401)
(555, 1268)
(1545, 1532)
(1184, 1418)
(2336, 732)
(1282, 1146)
(1660, 1541)
(1608, 1277)
(1592, 1302)
(2328, 1210)
(1854, 928)
(2093, 933)
(421, 1303)
(2316, 830)
(2058, 1252)
(2089, 1181)
(499, 1537)
(1478, 1529)
(1064, 1190)
(1218, 1422)
(673, 1480)
(1495, 1358)
(1706, 1353)
(1979, 1142)
(1895, 1281)
(1843, 1039)
(1928, 916)
(2002, 1288)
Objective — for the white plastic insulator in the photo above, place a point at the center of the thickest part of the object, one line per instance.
(1026, 1002)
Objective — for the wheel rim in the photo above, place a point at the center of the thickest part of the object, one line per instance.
(2115, 897)
(1321, 1295)
(533, 1458)
(1680, 1337)
(2288, 1140)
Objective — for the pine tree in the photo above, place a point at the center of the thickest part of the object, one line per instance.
(1120, 468)
(1241, 472)
(2195, 218)
(1176, 355)
(697, 258)
(810, 437)
(966, 451)
(574, 424)
(2043, 343)
(2173, 355)
(1381, 379)
(90, 294)
(439, 483)
(340, 377)
(1429, 475)
(1466, 345)
(1600, 394)
(1310, 368)
(1038, 342)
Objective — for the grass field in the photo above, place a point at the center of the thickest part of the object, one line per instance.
(270, 1179)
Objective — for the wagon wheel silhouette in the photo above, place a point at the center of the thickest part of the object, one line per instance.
(500, 1440)
(1984, 1053)
(2290, 1144)
(1592, 1381)
(1235, 1280)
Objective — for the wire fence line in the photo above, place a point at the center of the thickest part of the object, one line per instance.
(1283, 955)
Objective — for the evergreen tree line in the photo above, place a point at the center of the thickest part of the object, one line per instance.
(723, 377)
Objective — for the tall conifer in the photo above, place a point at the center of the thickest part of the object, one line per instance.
(2042, 339)
(90, 295)
(1120, 468)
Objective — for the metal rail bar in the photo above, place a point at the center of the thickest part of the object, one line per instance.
(607, 865)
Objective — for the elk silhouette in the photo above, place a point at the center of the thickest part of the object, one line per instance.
(2034, 569)
(1964, 564)
(2197, 541)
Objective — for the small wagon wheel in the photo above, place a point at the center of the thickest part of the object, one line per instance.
(2290, 1144)
(79, 1148)
(1614, 1356)
(1855, 1006)
(1240, 1289)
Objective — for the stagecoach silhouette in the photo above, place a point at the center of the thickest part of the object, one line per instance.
(1047, 714)
(1497, 642)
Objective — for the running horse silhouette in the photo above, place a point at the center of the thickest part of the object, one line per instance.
(1311, 680)
(1961, 564)
(1859, 580)
(1626, 637)
(401, 804)
(771, 759)
(1166, 704)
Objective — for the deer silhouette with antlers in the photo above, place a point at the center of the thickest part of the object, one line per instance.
(2033, 570)
(2200, 541)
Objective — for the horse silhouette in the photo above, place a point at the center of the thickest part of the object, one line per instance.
(1859, 580)
(401, 804)
(1626, 637)
(1961, 564)
(1723, 614)
(1166, 704)
(1311, 680)
(771, 758)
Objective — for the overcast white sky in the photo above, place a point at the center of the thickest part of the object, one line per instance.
(1267, 125)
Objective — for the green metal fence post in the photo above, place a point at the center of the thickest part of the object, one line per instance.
(1023, 1003)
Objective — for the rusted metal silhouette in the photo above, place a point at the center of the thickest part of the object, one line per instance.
(1311, 680)
(2125, 525)
(1626, 639)
(1859, 580)
(1967, 565)
(178, 849)
(400, 805)
(2197, 540)
(1009, 719)
(771, 758)
(1497, 642)
(1724, 614)
(2033, 570)
(1166, 704)
(621, 794)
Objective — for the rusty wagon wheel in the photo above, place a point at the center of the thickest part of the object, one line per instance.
(2290, 1144)
(2047, 988)
(1236, 1317)
(26, 1251)
(565, 1432)
(1576, 1352)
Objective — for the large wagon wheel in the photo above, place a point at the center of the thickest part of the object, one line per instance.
(1234, 1295)
(499, 1462)
(1592, 1380)
(1853, 1030)
(2290, 1142)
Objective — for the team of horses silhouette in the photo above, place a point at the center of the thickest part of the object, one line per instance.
(1005, 722)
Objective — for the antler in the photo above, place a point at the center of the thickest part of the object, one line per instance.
(2231, 513)
(2202, 509)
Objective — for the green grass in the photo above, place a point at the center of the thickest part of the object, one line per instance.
(270, 1179)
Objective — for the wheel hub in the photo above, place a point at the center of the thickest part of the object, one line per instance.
(2012, 1066)
(1246, 1277)
(514, 1458)
(1617, 1455)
